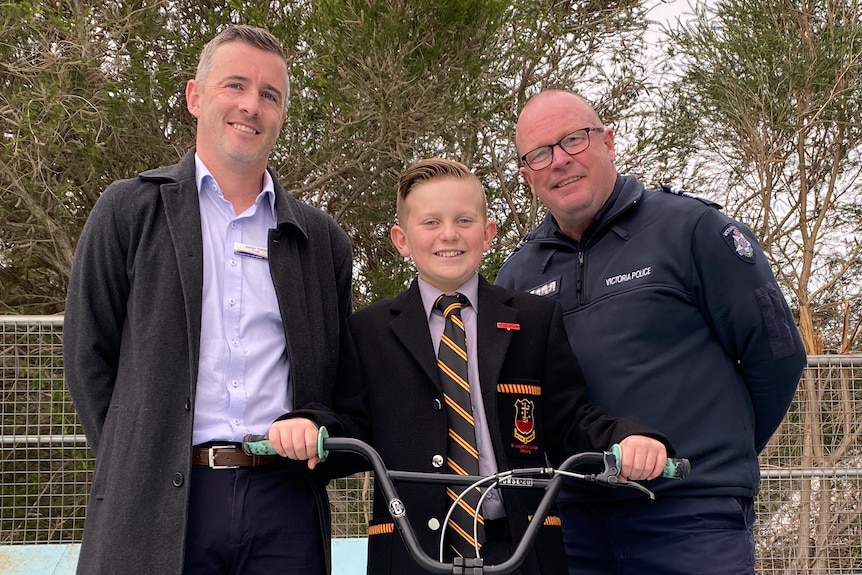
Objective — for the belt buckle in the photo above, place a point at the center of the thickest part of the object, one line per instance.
(211, 453)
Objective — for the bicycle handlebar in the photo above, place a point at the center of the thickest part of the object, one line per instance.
(549, 478)
(675, 468)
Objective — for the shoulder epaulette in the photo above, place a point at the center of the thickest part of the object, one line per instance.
(515, 250)
(677, 191)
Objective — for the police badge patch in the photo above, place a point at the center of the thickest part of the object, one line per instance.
(736, 241)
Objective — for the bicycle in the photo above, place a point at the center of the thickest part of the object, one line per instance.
(549, 478)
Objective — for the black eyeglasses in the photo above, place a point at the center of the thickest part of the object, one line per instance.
(572, 144)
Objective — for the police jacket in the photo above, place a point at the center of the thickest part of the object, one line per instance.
(676, 318)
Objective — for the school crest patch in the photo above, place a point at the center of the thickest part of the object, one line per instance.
(520, 403)
(736, 241)
(525, 423)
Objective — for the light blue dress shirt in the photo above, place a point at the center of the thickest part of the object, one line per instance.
(243, 371)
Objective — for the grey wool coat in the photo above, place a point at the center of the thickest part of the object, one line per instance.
(131, 346)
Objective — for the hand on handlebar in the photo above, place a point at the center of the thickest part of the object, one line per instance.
(295, 438)
(642, 458)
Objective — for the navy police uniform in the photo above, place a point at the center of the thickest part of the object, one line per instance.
(676, 318)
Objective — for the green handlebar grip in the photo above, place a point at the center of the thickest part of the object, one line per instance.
(260, 445)
(674, 468)
(321, 435)
(257, 445)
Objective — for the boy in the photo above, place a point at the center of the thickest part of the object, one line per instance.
(526, 389)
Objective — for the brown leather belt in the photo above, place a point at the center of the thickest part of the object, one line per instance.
(228, 457)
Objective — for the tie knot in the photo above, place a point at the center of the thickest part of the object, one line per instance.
(451, 304)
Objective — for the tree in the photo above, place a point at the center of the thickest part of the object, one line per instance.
(768, 113)
(83, 102)
(382, 83)
(93, 92)
(379, 84)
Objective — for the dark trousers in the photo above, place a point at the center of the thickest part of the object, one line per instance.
(671, 536)
(253, 521)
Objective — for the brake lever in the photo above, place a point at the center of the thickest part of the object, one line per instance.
(609, 475)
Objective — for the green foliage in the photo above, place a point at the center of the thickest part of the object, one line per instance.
(386, 83)
(91, 93)
(95, 92)
(71, 123)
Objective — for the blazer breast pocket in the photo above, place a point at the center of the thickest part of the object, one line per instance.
(519, 405)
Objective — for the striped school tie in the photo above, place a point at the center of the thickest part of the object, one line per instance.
(463, 456)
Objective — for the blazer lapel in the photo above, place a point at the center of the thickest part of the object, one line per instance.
(410, 327)
(494, 339)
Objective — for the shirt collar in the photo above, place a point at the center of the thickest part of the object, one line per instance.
(429, 293)
(205, 180)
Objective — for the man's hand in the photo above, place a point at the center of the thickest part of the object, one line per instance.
(295, 438)
(643, 457)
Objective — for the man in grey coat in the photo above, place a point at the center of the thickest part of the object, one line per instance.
(206, 303)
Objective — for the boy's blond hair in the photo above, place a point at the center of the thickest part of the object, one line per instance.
(429, 169)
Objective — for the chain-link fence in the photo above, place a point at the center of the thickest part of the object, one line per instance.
(46, 464)
(809, 513)
(810, 503)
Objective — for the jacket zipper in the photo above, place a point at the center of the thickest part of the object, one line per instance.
(582, 299)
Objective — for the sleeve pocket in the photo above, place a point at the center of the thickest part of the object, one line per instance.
(777, 319)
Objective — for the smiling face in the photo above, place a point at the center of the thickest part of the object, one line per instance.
(573, 188)
(240, 107)
(445, 229)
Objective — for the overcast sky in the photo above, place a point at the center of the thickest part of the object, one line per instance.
(668, 9)
(666, 12)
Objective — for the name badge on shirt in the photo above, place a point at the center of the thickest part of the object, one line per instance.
(249, 251)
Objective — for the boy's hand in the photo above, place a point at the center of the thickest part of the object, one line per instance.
(643, 457)
(295, 438)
